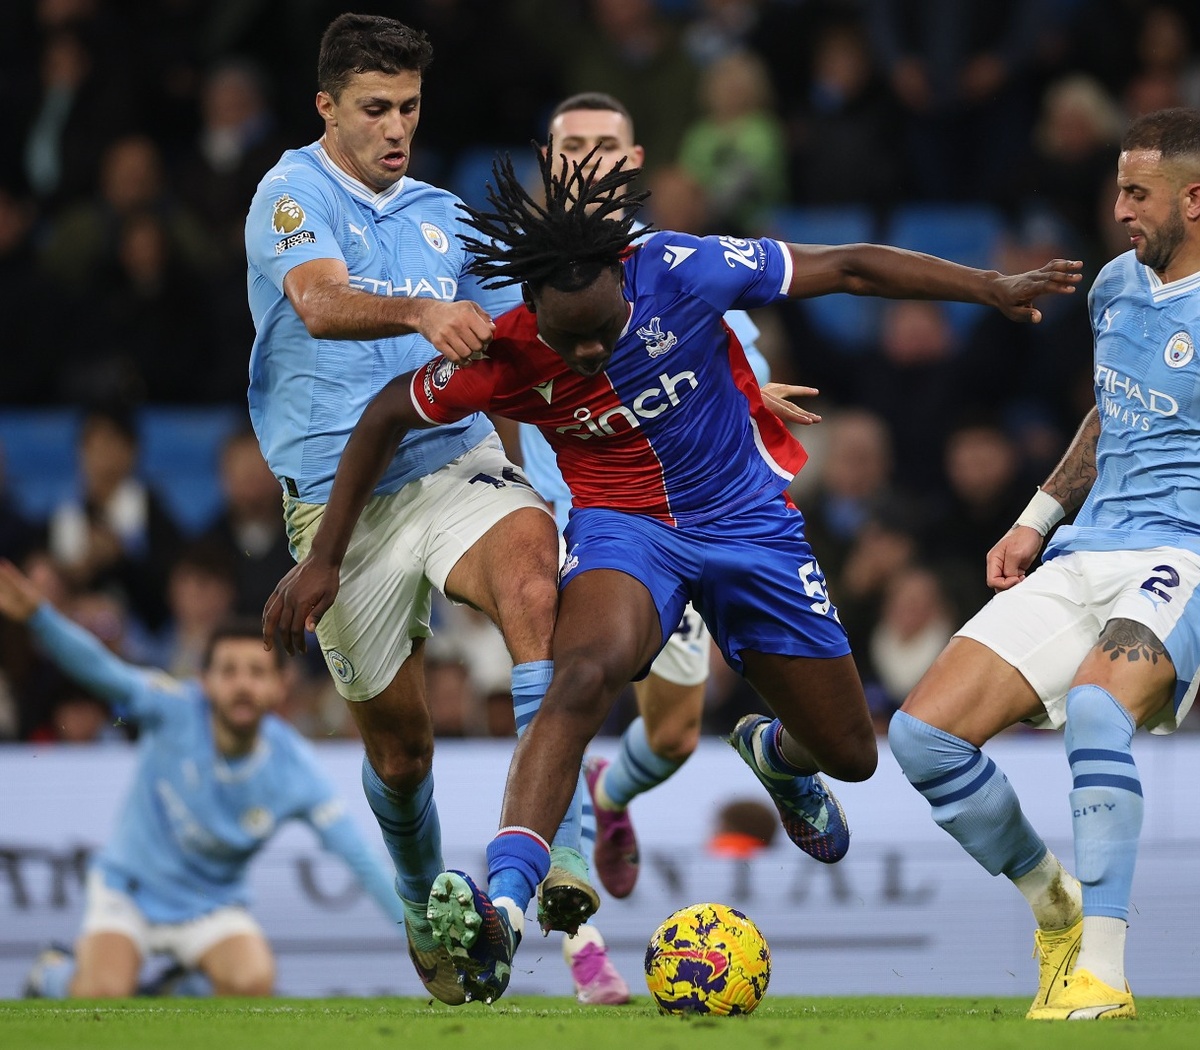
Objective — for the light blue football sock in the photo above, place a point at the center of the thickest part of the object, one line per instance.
(1106, 799)
(529, 684)
(411, 831)
(970, 796)
(636, 768)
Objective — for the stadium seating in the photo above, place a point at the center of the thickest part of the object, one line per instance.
(472, 170)
(965, 233)
(847, 321)
(180, 454)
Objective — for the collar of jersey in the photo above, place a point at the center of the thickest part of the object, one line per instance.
(361, 190)
(1160, 290)
(229, 771)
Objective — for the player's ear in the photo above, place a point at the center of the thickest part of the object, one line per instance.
(527, 295)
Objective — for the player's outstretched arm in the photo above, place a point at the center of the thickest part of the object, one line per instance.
(305, 594)
(896, 273)
(79, 654)
(320, 293)
(1062, 492)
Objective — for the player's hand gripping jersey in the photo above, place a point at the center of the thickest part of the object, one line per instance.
(674, 427)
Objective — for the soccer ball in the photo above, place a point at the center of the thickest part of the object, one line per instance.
(707, 959)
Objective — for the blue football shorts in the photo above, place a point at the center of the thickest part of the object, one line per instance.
(750, 574)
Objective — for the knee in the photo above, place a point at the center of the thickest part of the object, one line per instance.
(906, 741)
(855, 762)
(401, 766)
(580, 692)
(101, 985)
(673, 742)
(246, 982)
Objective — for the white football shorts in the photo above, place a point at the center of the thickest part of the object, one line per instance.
(110, 911)
(1049, 622)
(405, 543)
(684, 659)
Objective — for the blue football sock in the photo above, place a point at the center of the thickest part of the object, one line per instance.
(1106, 799)
(56, 978)
(411, 831)
(636, 768)
(777, 763)
(529, 684)
(970, 796)
(517, 861)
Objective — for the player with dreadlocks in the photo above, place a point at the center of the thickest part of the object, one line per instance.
(678, 475)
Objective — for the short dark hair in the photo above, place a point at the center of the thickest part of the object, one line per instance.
(584, 228)
(238, 627)
(598, 101)
(368, 44)
(1175, 133)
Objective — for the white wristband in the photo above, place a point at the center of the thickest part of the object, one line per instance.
(1042, 513)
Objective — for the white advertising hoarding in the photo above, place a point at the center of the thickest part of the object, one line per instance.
(905, 913)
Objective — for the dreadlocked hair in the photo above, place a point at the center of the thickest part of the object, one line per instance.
(585, 226)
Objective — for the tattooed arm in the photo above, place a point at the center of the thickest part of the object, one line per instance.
(1072, 479)
(1062, 492)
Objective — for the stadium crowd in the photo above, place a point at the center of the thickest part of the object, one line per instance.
(141, 128)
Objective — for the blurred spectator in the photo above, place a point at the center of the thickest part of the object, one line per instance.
(149, 341)
(76, 101)
(843, 115)
(909, 381)
(1041, 415)
(629, 49)
(678, 202)
(73, 714)
(736, 149)
(1071, 161)
(474, 673)
(463, 102)
(743, 828)
(721, 27)
(87, 235)
(114, 533)
(201, 588)
(854, 481)
(249, 527)
(886, 546)
(237, 141)
(1168, 70)
(962, 76)
(987, 492)
(915, 623)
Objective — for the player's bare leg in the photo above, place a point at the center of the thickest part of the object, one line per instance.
(966, 697)
(106, 966)
(240, 965)
(822, 724)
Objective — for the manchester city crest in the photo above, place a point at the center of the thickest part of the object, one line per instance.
(340, 666)
(1179, 351)
(434, 237)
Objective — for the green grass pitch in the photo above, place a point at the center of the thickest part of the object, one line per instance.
(526, 1023)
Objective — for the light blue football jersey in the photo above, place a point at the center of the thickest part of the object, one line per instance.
(193, 819)
(1147, 379)
(306, 394)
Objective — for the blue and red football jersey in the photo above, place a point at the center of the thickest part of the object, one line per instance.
(675, 426)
